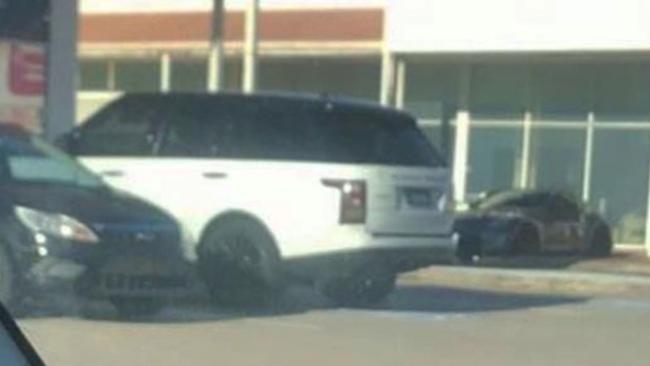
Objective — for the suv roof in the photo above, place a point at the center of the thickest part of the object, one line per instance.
(266, 126)
(303, 99)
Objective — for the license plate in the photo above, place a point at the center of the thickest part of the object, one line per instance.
(418, 197)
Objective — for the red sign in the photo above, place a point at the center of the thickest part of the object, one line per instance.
(27, 71)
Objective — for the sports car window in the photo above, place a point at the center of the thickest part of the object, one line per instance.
(563, 209)
(35, 161)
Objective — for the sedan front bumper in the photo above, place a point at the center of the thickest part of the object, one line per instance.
(102, 269)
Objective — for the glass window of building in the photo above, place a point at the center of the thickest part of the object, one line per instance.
(499, 91)
(432, 90)
(562, 91)
(233, 74)
(619, 181)
(494, 159)
(622, 93)
(137, 75)
(93, 75)
(189, 75)
(349, 78)
(557, 159)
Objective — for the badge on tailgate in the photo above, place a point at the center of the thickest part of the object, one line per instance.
(417, 197)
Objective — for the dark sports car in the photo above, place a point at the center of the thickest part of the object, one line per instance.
(530, 222)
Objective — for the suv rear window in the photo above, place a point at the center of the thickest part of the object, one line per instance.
(377, 138)
(312, 132)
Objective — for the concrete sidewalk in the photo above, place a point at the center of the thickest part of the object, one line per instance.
(625, 273)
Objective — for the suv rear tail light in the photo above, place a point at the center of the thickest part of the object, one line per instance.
(353, 199)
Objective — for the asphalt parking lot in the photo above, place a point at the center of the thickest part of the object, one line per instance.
(421, 324)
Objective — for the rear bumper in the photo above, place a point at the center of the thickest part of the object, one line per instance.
(395, 254)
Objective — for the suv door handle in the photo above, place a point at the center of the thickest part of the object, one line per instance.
(215, 175)
(112, 173)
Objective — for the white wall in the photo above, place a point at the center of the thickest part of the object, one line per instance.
(518, 25)
(90, 102)
(129, 6)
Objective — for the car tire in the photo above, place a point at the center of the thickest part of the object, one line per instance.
(600, 242)
(360, 290)
(136, 307)
(7, 278)
(240, 264)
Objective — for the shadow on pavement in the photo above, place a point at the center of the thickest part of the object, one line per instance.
(532, 262)
(407, 298)
(632, 262)
(445, 299)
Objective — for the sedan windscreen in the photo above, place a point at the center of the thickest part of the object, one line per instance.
(34, 161)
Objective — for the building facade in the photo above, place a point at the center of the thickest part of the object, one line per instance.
(526, 94)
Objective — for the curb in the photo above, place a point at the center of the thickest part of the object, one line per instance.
(540, 281)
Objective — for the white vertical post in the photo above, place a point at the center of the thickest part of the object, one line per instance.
(249, 82)
(461, 151)
(387, 86)
(216, 53)
(589, 155)
(525, 149)
(111, 75)
(400, 83)
(165, 72)
(60, 97)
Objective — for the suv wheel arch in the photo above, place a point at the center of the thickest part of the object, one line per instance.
(227, 216)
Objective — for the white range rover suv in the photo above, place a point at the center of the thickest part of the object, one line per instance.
(269, 189)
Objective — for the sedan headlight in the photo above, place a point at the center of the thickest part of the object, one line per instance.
(56, 225)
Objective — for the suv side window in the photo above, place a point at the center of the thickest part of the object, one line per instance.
(192, 130)
(271, 130)
(126, 128)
